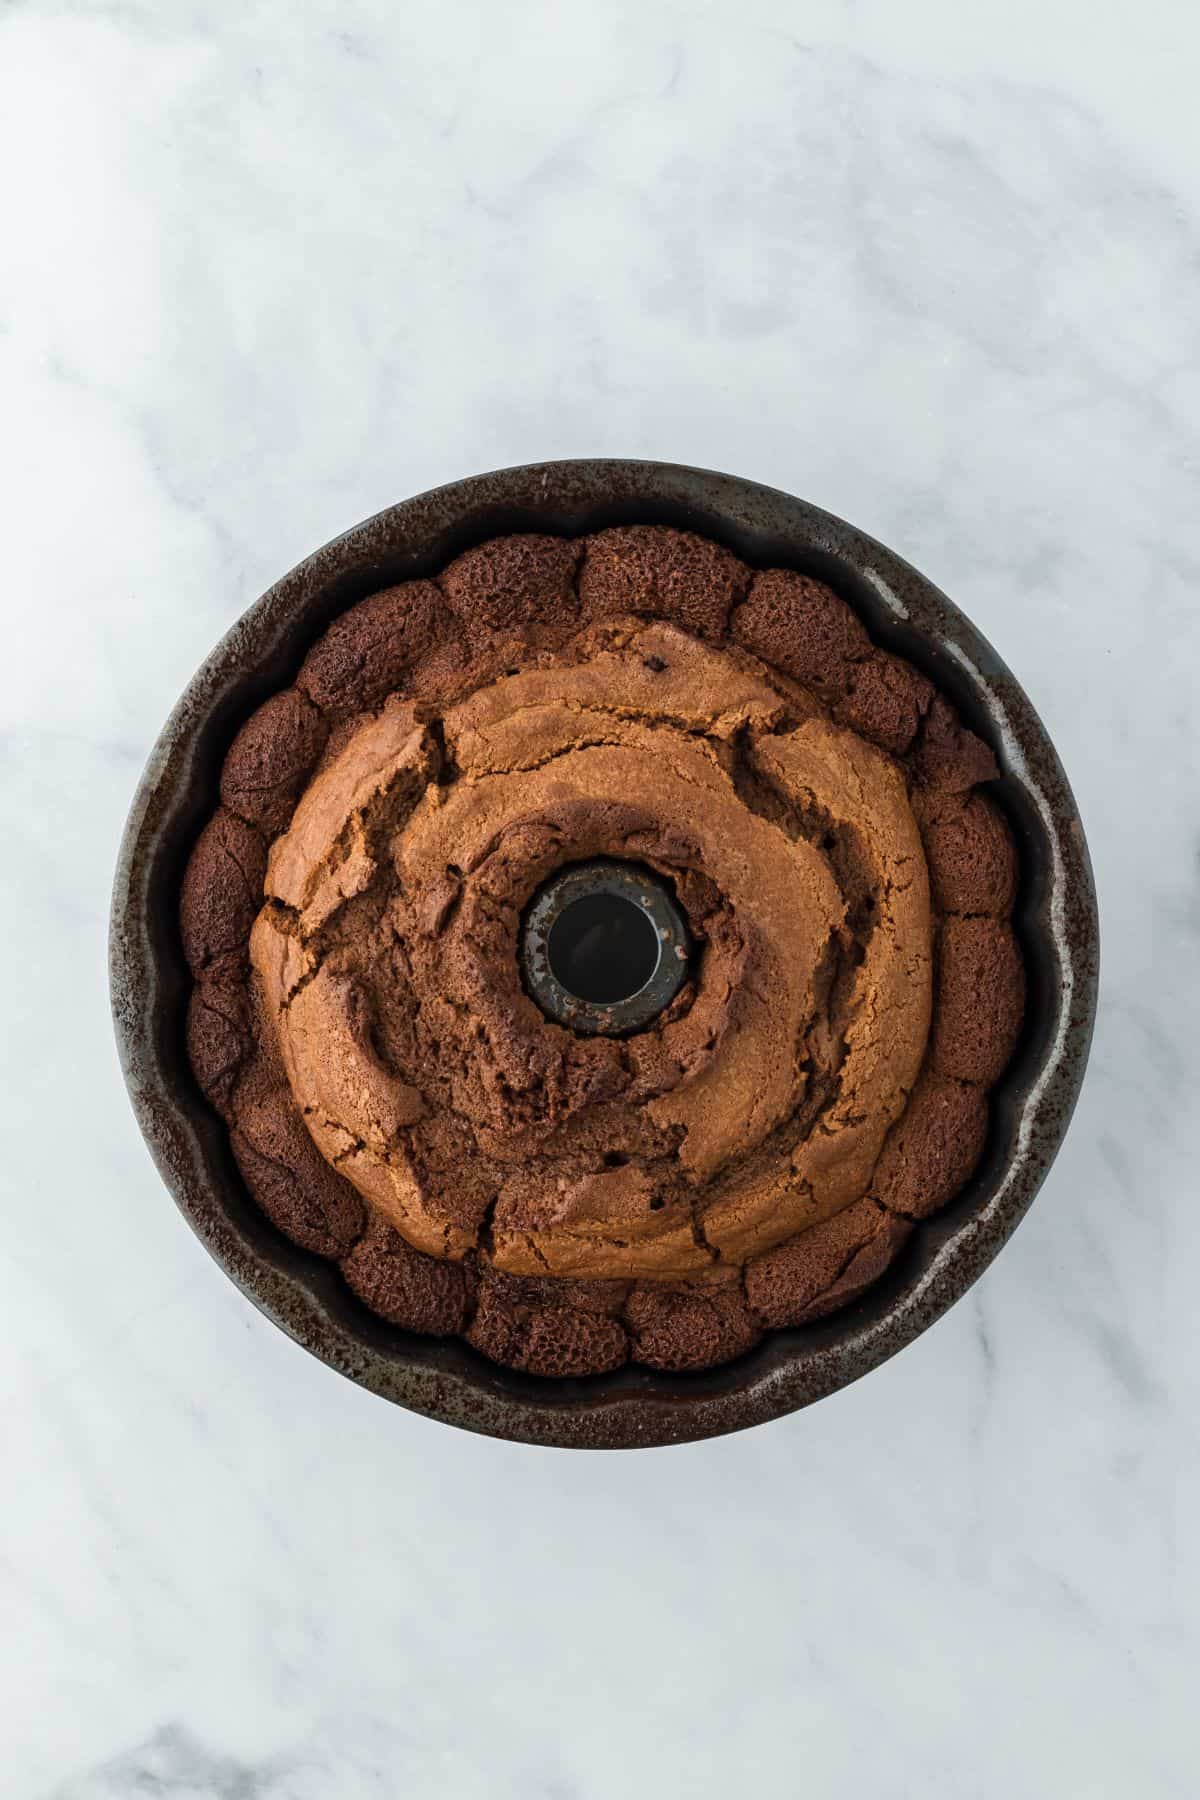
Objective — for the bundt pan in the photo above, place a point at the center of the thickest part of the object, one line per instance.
(446, 1379)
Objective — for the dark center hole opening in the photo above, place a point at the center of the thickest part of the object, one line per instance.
(603, 948)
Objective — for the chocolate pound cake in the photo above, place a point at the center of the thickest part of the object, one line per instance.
(603, 952)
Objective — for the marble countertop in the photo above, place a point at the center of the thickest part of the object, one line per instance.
(265, 269)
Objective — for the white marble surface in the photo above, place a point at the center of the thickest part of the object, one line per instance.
(264, 269)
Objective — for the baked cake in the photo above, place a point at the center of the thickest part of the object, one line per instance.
(355, 916)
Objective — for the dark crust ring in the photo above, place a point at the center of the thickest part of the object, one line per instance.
(442, 639)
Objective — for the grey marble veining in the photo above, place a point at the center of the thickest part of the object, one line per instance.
(264, 269)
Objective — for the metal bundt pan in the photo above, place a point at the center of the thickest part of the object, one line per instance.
(446, 1379)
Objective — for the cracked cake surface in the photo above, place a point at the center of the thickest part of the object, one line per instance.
(758, 1154)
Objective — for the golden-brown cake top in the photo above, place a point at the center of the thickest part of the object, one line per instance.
(353, 914)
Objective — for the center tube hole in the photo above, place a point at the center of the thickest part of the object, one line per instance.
(603, 948)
